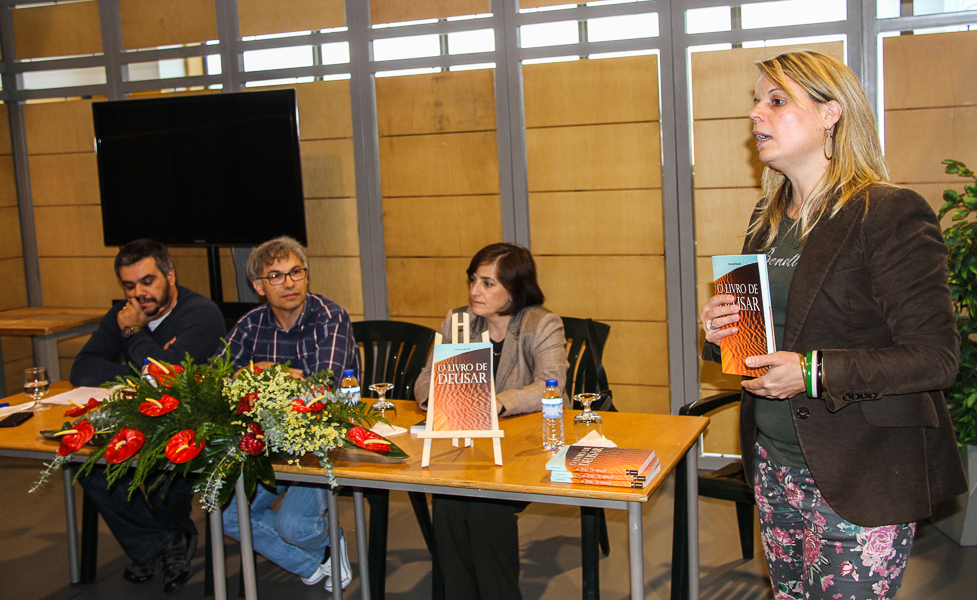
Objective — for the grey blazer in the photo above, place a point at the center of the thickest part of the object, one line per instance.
(534, 351)
(870, 291)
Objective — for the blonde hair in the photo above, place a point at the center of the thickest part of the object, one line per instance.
(856, 161)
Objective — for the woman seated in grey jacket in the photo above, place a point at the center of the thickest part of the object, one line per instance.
(478, 539)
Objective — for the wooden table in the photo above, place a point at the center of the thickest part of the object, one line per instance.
(454, 471)
(472, 472)
(47, 326)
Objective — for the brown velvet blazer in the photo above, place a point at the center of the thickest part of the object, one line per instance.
(870, 291)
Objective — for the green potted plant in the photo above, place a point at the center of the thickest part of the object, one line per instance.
(960, 522)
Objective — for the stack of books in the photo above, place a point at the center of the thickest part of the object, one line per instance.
(617, 467)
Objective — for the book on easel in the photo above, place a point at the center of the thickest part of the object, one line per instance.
(745, 276)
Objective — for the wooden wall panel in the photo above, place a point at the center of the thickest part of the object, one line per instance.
(426, 287)
(594, 157)
(150, 23)
(917, 141)
(5, 146)
(13, 292)
(328, 169)
(324, 110)
(10, 241)
(339, 279)
(57, 29)
(64, 179)
(58, 227)
(724, 81)
(604, 287)
(258, 17)
(575, 92)
(652, 399)
(447, 164)
(79, 282)
(721, 217)
(13, 371)
(332, 227)
(725, 154)
(465, 224)
(637, 353)
(398, 11)
(949, 61)
(436, 103)
(569, 223)
(59, 127)
(8, 181)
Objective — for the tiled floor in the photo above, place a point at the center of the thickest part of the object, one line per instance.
(33, 555)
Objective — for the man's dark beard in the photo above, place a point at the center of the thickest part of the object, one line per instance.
(162, 303)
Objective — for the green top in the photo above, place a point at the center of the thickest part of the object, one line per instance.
(773, 417)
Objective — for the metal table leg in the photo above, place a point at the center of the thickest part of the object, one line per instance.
(692, 487)
(337, 579)
(217, 554)
(636, 547)
(247, 543)
(74, 561)
(361, 545)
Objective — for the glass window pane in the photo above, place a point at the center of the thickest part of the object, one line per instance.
(335, 53)
(278, 58)
(548, 34)
(214, 64)
(401, 72)
(59, 78)
(162, 69)
(283, 81)
(887, 9)
(627, 27)
(793, 12)
(415, 46)
(469, 42)
(703, 20)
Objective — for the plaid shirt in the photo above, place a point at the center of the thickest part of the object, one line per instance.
(322, 338)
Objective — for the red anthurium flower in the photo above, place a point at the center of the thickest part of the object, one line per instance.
(253, 441)
(73, 439)
(164, 373)
(247, 403)
(299, 406)
(81, 410)
(368, 440)
(157, 408)
(183, 446)
(123, 445)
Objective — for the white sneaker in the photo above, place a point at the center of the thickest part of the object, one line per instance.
(325, 569)
(347, 571)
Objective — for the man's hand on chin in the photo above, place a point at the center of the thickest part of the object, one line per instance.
(132, 315)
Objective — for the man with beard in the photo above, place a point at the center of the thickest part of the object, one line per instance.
(166, 322)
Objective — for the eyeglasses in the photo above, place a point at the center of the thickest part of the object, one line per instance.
(276, 278)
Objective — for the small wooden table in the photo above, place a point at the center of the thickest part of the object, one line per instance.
(47, 326)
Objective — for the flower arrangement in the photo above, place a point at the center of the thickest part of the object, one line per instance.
(201, 418)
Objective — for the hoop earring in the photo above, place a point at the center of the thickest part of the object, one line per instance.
(828, 141)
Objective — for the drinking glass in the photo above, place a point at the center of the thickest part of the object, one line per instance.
(36, 385)
(386, 408)
(588, 420)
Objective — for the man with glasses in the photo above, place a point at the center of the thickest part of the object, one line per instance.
(164, 321)
(311, 334)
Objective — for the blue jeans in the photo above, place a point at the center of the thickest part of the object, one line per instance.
(147, 523)
(295, 537)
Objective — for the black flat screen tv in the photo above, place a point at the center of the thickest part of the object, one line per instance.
(211, 170)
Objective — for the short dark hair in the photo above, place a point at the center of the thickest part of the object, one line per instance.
(138, 250)
(516, 271)
(273, 251)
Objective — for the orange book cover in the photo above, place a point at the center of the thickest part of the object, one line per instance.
(646, 474)
(462, 387)
(745, 276)
(623, 461)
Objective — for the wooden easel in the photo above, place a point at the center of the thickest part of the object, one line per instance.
(461, 333)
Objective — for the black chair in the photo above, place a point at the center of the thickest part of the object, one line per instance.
(393, 352)
(727, 483)
(585, 343)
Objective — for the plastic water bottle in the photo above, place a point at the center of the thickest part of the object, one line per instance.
(552, 416)
(349, 387)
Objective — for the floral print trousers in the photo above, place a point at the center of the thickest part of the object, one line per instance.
(812, 552)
